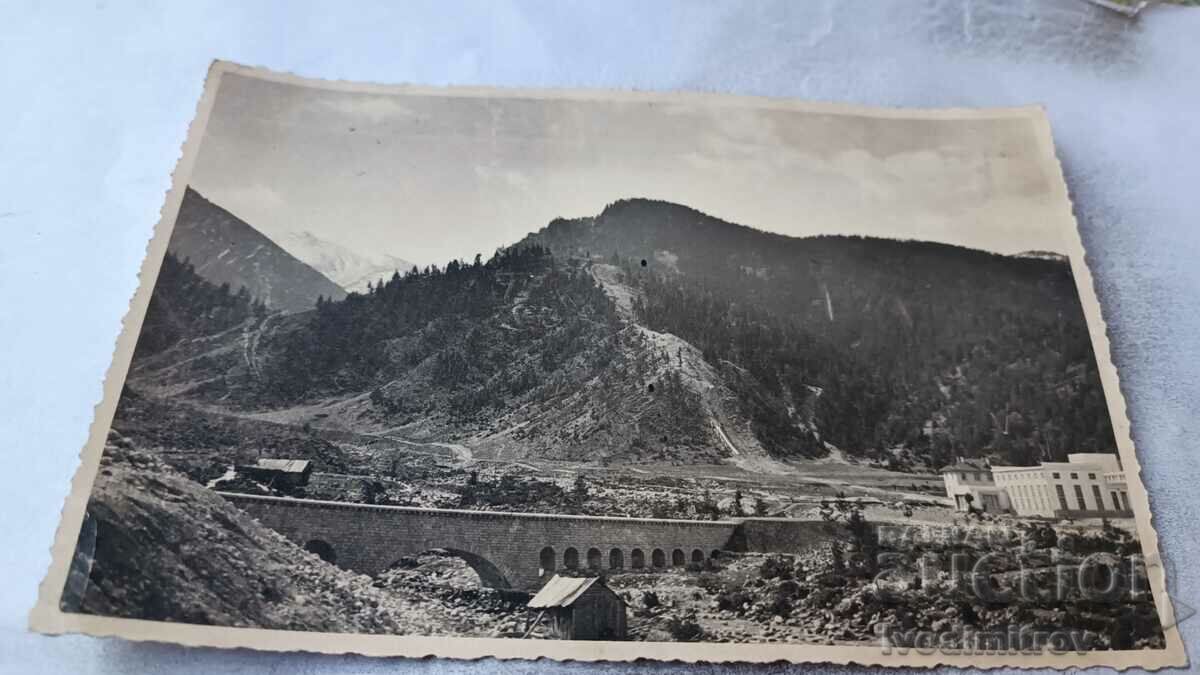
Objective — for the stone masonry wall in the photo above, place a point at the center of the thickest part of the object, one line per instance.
(781, 535)
(505, 548)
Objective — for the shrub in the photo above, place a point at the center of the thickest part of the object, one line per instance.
(650, 599)
(579, 490)
(822, 597)
(684, 629)
(710, 582)
(790, 589)
(775, 568)
(732, 601)
(780, 606)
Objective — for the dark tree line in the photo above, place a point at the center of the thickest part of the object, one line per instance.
(1007, 389)
(459, 327)
(184, 305)
(875, 343)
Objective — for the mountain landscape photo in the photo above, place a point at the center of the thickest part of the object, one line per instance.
(653, 332)
(648, 361)
(609, 370)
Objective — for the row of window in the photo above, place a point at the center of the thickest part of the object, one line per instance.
(1010, 476)
(1120, 501)
(548, 559)
(1074, 476)
(1005, 477)
(1028, 498)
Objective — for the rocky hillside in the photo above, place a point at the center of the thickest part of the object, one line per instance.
(522, 355)
(226, 250)
(203, 444)
(155, 533)
(877, 344)
(655, 333)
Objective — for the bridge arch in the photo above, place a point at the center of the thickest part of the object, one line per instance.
(658, 558)
(677, 558)
(571, 558)
(489, 574)
(594, 558)
(639, 559)
(616, 559)
(323, 549)
(697, 556)
(547, 560)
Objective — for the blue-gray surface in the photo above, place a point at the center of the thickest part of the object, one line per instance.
(97, 98)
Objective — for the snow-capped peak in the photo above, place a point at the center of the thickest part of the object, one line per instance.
(349, 269)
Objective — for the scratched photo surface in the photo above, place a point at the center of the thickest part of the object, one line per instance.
(581, 369)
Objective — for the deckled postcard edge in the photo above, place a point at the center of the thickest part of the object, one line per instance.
(46, 617)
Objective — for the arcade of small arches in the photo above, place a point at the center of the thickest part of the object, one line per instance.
(509, 550)
(595, 559)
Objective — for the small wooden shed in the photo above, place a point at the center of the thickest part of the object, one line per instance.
(279, 473)
(580, 608)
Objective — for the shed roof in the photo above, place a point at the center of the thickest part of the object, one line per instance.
(284, 465)
(562, 591)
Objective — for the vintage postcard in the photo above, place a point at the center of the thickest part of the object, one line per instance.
(606, 376)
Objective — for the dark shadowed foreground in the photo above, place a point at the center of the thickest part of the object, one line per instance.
(168, 549)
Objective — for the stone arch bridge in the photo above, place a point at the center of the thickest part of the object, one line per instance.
(515, 550)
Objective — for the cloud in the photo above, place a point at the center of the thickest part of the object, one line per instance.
(508, 177)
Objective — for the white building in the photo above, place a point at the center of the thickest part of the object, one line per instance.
(1087, 484)
(970, 484)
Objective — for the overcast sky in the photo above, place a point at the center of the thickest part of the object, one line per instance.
(430, 178)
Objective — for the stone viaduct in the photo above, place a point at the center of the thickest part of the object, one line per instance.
(515, 550)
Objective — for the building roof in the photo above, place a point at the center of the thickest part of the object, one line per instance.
(562, 591)
(965, 465)
(1006, 468)
(283, 465)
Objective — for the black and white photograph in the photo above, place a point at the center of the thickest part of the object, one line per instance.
(607, 375)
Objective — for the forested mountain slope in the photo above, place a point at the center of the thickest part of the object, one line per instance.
(224, 249)
(184, 304)
(653, 332)
(523, 354)
(937, 348)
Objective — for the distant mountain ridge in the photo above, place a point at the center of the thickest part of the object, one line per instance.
(349, 269)
(916, 345)
(224, 249)
(653, 332)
